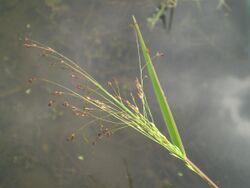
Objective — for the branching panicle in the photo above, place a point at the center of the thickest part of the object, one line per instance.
(118, 111)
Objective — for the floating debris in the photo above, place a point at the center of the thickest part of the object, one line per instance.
(80, 157)
(28, 91)
(180, 174)
(71, 137)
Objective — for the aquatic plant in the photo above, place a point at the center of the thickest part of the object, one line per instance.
(160, 11)
(120, 111)
(166, 6)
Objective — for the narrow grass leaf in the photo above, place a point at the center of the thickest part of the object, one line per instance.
(161, 98)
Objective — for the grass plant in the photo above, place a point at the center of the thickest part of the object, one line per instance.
(121, 112)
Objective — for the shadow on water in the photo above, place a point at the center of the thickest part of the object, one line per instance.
(205, 71)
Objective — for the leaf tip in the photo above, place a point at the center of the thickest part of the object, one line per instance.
(134, 19)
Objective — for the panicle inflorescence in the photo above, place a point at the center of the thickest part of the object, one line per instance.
(127, 113)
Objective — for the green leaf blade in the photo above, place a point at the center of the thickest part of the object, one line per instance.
(161, 98)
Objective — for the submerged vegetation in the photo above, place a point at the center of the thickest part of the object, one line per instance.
(168, 6)
(160, 14)
(119, 111)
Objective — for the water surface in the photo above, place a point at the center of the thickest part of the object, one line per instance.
(204, 71)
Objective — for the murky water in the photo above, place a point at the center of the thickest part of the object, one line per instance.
(205, 73)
